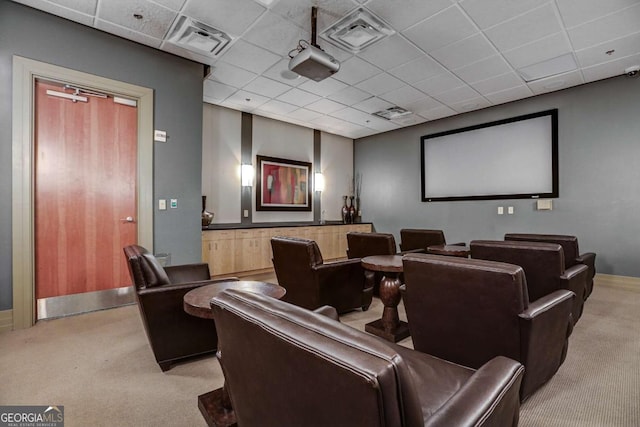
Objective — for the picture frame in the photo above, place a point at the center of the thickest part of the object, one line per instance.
(283, 184)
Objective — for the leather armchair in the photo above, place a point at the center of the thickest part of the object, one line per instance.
(173, 334)
(310, 283)
(360, 245)
(469, 311)
(312, 370)
(572, 255)
(543, 265)
(418, 238)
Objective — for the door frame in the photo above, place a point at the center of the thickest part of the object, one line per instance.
(25, 72)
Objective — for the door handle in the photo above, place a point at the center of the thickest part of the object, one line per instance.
(128, 219)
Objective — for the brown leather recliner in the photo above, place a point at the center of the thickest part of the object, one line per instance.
(310, 283)
(294, 367)
(543, 265)
(360, 245)
(469, 311)
(414, 238)
(173, 334)
(572, 255)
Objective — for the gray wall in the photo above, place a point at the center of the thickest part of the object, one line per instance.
(177, 85)
(599, 171)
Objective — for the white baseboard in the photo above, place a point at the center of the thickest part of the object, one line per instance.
(6, 320)
(622, 282)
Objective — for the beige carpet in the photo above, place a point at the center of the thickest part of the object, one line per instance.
(100, 367)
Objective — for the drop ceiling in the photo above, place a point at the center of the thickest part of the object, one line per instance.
(445, 57)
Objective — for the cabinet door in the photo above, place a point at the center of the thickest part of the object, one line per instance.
(217, 251)
(245, 251)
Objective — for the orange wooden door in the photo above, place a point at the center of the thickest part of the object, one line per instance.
(85, 185)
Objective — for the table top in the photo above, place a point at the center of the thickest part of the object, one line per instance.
(197, 301)
(384, 263)
(452, 250)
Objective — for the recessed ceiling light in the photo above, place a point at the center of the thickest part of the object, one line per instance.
(357, 31)
(392, 113)
(199, 37)
(551, 67)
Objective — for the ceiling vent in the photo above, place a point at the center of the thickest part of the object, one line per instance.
(393, 113)
(199, 38)
(551, 67)
(357, 31)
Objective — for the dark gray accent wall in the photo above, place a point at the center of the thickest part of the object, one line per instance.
(317, 163)
(177, 85)
(246, 142)
(599, 171)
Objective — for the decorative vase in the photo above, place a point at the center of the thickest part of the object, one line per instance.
(352, 211)
(345, 210)
(358, 216)
(207, 217)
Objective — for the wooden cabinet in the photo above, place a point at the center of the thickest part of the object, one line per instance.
(248, 250)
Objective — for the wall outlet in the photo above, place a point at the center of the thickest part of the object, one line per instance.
(510, 210)
(162, 204)
(500, 210)
(245, 213)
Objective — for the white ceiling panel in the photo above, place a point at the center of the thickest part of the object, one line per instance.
(155, 22)
(464, 52)
(298, 97)
(576, 12)
(250, 57)
(233, 17)
(616, 25)
(444, 57)
(442, 29)
(526, 28)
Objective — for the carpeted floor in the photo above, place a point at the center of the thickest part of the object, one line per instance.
(100, 367)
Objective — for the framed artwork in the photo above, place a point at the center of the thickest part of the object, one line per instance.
(282, 184)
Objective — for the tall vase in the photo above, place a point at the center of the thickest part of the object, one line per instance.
(352, 211)
(345, 210)
(207, 217)
(358, 216)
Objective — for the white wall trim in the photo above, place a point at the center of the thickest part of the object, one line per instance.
(25, 71)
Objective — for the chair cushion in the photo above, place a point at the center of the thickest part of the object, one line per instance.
(154, 274)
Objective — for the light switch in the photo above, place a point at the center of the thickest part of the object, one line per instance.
(162, 204)
(245, 213)
(500, 210)
(510, 210)
(174, 203)
(159, 136)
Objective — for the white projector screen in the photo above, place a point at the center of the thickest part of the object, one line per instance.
(514, 158)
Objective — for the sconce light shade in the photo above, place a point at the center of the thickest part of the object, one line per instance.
(247, 175)
(319, 182)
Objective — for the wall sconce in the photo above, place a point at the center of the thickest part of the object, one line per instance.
(247, 175)
(318, 182)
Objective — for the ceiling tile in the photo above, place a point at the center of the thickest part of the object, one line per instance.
(498, 83)
(470, 104)
(299, 11)
(442, 29)
(82, 6)
(277, 107)
(442, 83)
(325, 87)
(410, 120)
(244, 101)
(350, 96)
(464, 52)
(231, 75)
(233, 17)
(460, 94)
(304, 114)
(355, 70)
(540, 50)
(156, 20)
(622, 47)
(576, 12)
(422, 105)
(391, 52)
(217, 91)
(354, 116)
(403, 95)
(486, 13)
(508, 95)
(608, 69)
(266, 87)
(554, 83)
(60, 11)
(418, 69)
(483, 69)
(616, 25)
(438, 113)
(250, 57)
(298, 97)
(128, 34)
(171, 4)
(280, 72)
(408, 12)
(373, 104)
(325, 106)
(280, 42)
(380, 83)
(526, 28)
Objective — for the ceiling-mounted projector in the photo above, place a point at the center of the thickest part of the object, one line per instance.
(314, 63)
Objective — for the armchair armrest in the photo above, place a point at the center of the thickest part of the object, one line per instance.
(575, 279)
(328, 311)
(180, 287)
(412, 251)
(187, 272)
(488, 397)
